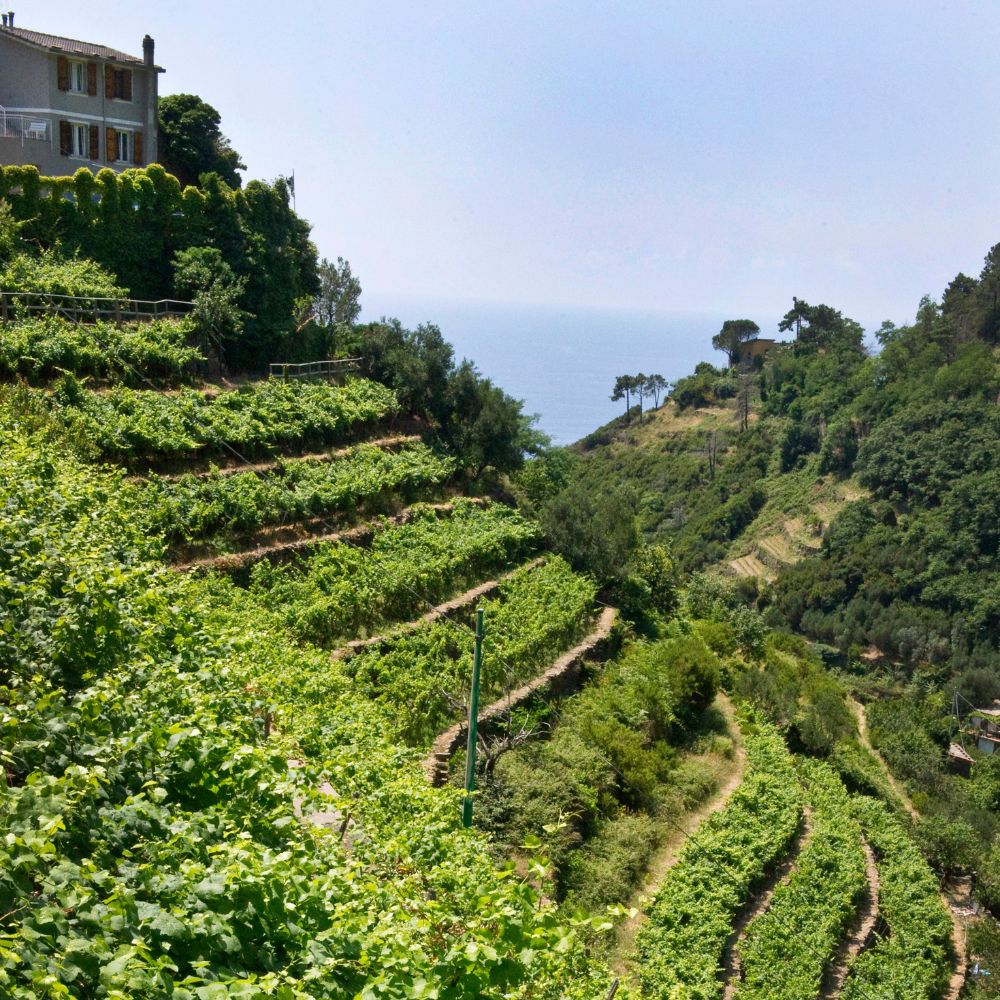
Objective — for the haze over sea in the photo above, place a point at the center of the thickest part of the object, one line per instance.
(562, 361)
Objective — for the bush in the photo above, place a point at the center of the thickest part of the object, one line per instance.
(53, 274)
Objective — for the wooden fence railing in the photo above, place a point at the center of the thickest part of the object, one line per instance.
(87, 308)
(315, 369)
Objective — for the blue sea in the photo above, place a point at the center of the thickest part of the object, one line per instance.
(562, 362)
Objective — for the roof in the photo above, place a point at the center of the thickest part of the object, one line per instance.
(71, 46)
(958, 752)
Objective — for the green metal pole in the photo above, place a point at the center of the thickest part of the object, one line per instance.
(470, 752)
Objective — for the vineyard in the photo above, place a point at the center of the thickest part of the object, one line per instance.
(216, 507)
(213, 783)
(143, 427)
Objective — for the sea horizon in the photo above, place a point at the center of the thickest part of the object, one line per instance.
(562, 361)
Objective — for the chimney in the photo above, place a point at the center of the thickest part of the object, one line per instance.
(10, 19)
(5, 20)
(147, 50)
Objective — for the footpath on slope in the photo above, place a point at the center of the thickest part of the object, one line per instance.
(666, 856)
(561, 676)
(731, 973)
(860, 934)
(472, 595)
(958, 935)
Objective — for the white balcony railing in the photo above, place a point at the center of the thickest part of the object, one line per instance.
(23, 127)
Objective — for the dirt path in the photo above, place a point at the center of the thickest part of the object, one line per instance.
(472, 595)
(666, 856)
(864, 924)
(731, 974)
(957, 923)
(859, 713)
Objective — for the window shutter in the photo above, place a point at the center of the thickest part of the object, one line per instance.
(95, 142)
(92, 79)
(62, 71)
(137, 149)
(109, 82)
(110, 144)
(65, 138)
(126, 85)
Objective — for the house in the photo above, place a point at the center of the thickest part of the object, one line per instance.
(66, 104)
(749, 351)
(984, 725)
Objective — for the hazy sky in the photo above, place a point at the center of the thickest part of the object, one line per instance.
(711, 156)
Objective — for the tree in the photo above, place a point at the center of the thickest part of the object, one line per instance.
(655, 385)
(191, 143)
(795, 316)
(595, 532)
(623, 390)
(640, 388)
(202, 273)
(735, 333)
(339, 295)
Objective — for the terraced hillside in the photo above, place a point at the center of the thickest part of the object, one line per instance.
(715, 503)
(203, 792)
(795, 890)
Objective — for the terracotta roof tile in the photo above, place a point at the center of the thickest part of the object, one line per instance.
(71, 46)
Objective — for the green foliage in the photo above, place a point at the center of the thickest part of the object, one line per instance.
(41, 349)
(52, 274)
(793, 690)
(191, 142)
(341, 591)
(735, 333)
(226, 506)
(475, 419)
(596, 533)
(588, 792)
(914, 958)
(10, 232)
(134, 222)
(201, 274)
(339, 298)
(137, 426)
(690, 920)
(538, 613)
(706, 387)
(788, 947)
(154, 831)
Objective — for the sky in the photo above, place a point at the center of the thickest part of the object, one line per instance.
(714, 157)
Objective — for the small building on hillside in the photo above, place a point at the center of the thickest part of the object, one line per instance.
(66, 104)
(984, 725)
(748, 353)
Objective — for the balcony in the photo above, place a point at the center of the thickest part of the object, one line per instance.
(24, 127)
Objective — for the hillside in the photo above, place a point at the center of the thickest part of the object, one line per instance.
(235, 656)
(852, 500)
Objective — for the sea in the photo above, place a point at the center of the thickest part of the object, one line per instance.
(562, 361)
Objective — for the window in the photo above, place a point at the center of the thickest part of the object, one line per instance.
(124, 151)
(79, 140)
(77, 77)
(117, 83)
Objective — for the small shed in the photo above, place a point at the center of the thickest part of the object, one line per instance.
(959, 760)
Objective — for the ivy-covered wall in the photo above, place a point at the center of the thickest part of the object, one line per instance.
(133, 222)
